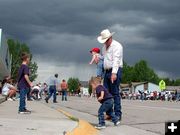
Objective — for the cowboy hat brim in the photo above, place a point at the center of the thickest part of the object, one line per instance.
(103, 40)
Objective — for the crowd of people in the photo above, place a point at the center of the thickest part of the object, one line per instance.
(9, 90)
(163, 96)
(23, 88)
(109, 69)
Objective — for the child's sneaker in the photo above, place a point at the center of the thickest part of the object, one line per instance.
(25, 112)
(117, 123)
(10, 99)
(14, 99)
(100, 127)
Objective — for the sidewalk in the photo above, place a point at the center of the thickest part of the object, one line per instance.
(2, 99)
(42, 121)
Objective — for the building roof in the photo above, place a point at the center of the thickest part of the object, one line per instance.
(137, 83)
(173, 88)
(124, 85)
(134, 84)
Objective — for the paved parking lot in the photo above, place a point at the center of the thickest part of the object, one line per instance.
(147, 117)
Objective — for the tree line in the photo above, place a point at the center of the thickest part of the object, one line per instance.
(15, 49)
(141, 72)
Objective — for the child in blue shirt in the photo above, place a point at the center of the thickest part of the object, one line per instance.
(24, 83)
(106, 100)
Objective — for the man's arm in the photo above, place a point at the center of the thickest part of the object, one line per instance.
(102, 96)
(28, 81)
(117, 55)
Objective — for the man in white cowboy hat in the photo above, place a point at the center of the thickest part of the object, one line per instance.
(113, 63)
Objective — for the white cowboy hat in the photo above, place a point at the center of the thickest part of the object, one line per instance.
(104, 36)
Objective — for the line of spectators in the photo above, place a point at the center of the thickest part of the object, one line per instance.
(9, 90)
(164, 95)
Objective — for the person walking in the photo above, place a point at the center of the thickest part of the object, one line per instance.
(141, 95)
(177, 96)
(113, 64)
(53, 83)
(64, 87)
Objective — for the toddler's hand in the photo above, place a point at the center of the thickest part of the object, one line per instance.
(99, 99)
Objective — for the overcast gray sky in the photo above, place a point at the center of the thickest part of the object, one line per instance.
(60, 33)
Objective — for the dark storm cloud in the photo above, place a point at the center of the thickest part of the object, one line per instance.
(65, 30)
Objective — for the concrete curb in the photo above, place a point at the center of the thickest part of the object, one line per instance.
(83, 128)
(2, 99)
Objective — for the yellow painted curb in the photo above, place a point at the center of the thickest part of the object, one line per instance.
(83, 128)
(68, 115)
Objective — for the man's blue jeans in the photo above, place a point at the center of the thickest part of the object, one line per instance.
(106, 107)
(52, 91)
(22, 102)
(114, 90)
(64, 95)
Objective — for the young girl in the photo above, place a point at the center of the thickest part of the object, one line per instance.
(98, 60)
(8, 90)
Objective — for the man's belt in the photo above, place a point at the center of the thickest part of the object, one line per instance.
(107, 69)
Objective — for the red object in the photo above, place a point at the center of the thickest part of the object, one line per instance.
(64, 86)
(97, 50)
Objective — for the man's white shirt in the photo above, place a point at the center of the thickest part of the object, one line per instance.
(113, 56)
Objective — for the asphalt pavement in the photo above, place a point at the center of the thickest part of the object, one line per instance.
(73, 117)
(147, 117)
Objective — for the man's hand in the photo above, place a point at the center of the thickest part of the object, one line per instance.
(113, 77)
